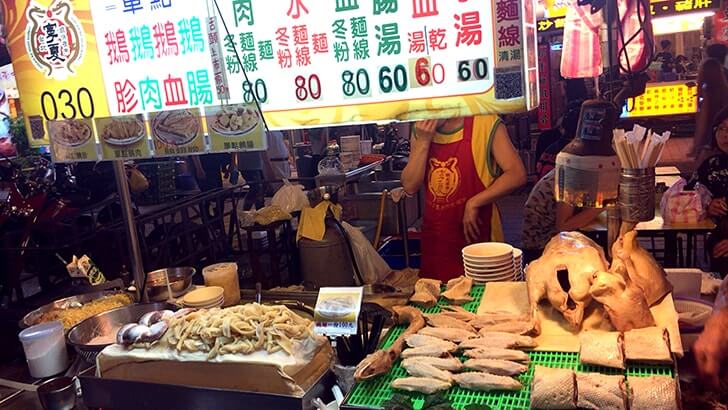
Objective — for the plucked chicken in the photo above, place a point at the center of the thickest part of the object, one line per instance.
(578, 257)
(624, 302)
(642, 268)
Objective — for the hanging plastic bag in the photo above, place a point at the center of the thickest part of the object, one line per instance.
(372, 266)
(679, 205)
(290, 198)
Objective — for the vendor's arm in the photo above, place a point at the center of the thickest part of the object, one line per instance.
(514, 173)
(513, 176)
(413, 175)
(711, 348)
(568, 219)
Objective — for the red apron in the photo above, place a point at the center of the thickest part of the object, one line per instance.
(452, 179)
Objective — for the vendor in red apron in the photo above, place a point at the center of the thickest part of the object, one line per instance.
(465, 164)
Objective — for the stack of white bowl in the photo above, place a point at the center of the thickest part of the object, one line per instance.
(489, 262)
(204, 298)
(518, 263)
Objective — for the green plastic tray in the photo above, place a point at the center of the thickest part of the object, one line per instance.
(372, 393)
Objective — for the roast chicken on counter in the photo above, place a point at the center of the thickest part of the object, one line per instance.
(573, 271)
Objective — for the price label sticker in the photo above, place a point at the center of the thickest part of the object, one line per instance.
(337, 311)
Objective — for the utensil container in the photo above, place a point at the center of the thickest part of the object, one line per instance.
(637, 194)
(45, 349)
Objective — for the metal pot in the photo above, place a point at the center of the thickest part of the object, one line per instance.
(180, 281)
(106, 325)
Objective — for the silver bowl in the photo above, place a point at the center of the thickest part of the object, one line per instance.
(180, 280)
(33, 317)
(104, 326)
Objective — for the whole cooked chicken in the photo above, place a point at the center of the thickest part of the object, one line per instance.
(496, 366)
(486, 382)
(427, 291)
(578, 257)
(458, 290)
(448, 333)
(641, 266)
(427, 385)
(623, 300)
(439, 320)
(451, 364)
(416, 340)
(420, 369)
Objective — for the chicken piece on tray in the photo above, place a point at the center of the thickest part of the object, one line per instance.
(524, 326)
(457, 312)
(553, 388)
(648, 345)
(451, 364)
(438, 320)
(502, 354)
(641, 266)
(602, 349)
(577, 257)
(381, 361)
(652, 393)
(597, 391)
(484, 319)
(458, 290)
(417, 340)
(514, 340)
(486, 382)
(427, 291)
(420, 369)
(430, 351)
(448, 333)
(489, 343)
(426, 385)
(496, 366)
(624, 302)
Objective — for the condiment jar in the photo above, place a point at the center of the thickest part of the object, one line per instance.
(224, 275)
(45, 349)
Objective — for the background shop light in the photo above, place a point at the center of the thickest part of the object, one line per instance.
(681, 23)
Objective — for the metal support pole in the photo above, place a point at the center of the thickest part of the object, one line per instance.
(137, 267)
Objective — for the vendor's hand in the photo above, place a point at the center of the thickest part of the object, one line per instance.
(711, 349)
(425, 130)
(718, 207)
(471, 223)
(720, 249)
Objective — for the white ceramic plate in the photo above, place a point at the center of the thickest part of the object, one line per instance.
(488, 251)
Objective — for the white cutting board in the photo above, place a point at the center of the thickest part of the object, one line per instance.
(556, 334)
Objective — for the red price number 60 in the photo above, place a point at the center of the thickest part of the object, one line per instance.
(424, 75)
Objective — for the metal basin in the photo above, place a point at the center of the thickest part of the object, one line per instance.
(95, 333)
(33, 317)
(180, 280)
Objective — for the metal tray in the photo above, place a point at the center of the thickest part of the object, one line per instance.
(31, 318)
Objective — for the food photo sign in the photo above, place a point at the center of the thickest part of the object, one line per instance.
(304, 63)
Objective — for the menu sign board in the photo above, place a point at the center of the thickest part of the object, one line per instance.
(177, 132)
(308, 63)
(123, 137)
(235, 127)
(56, 63)
(72, 140)
(346, 61)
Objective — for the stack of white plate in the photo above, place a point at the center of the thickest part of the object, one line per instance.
(204, 298)
(489, 262)
(518, 263)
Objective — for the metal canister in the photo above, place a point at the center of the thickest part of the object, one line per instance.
(637, 194)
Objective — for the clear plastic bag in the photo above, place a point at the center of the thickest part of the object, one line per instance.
(290, 198)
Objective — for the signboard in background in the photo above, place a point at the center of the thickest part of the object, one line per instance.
(313, 63)
(72, 140)
(177, 132)
(235, 127)
(123, 137)
(663, 99)
(57, 72)
(154, 54)
(545, 109)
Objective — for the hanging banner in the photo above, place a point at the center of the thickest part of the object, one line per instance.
(312, 63)
(56, 63)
